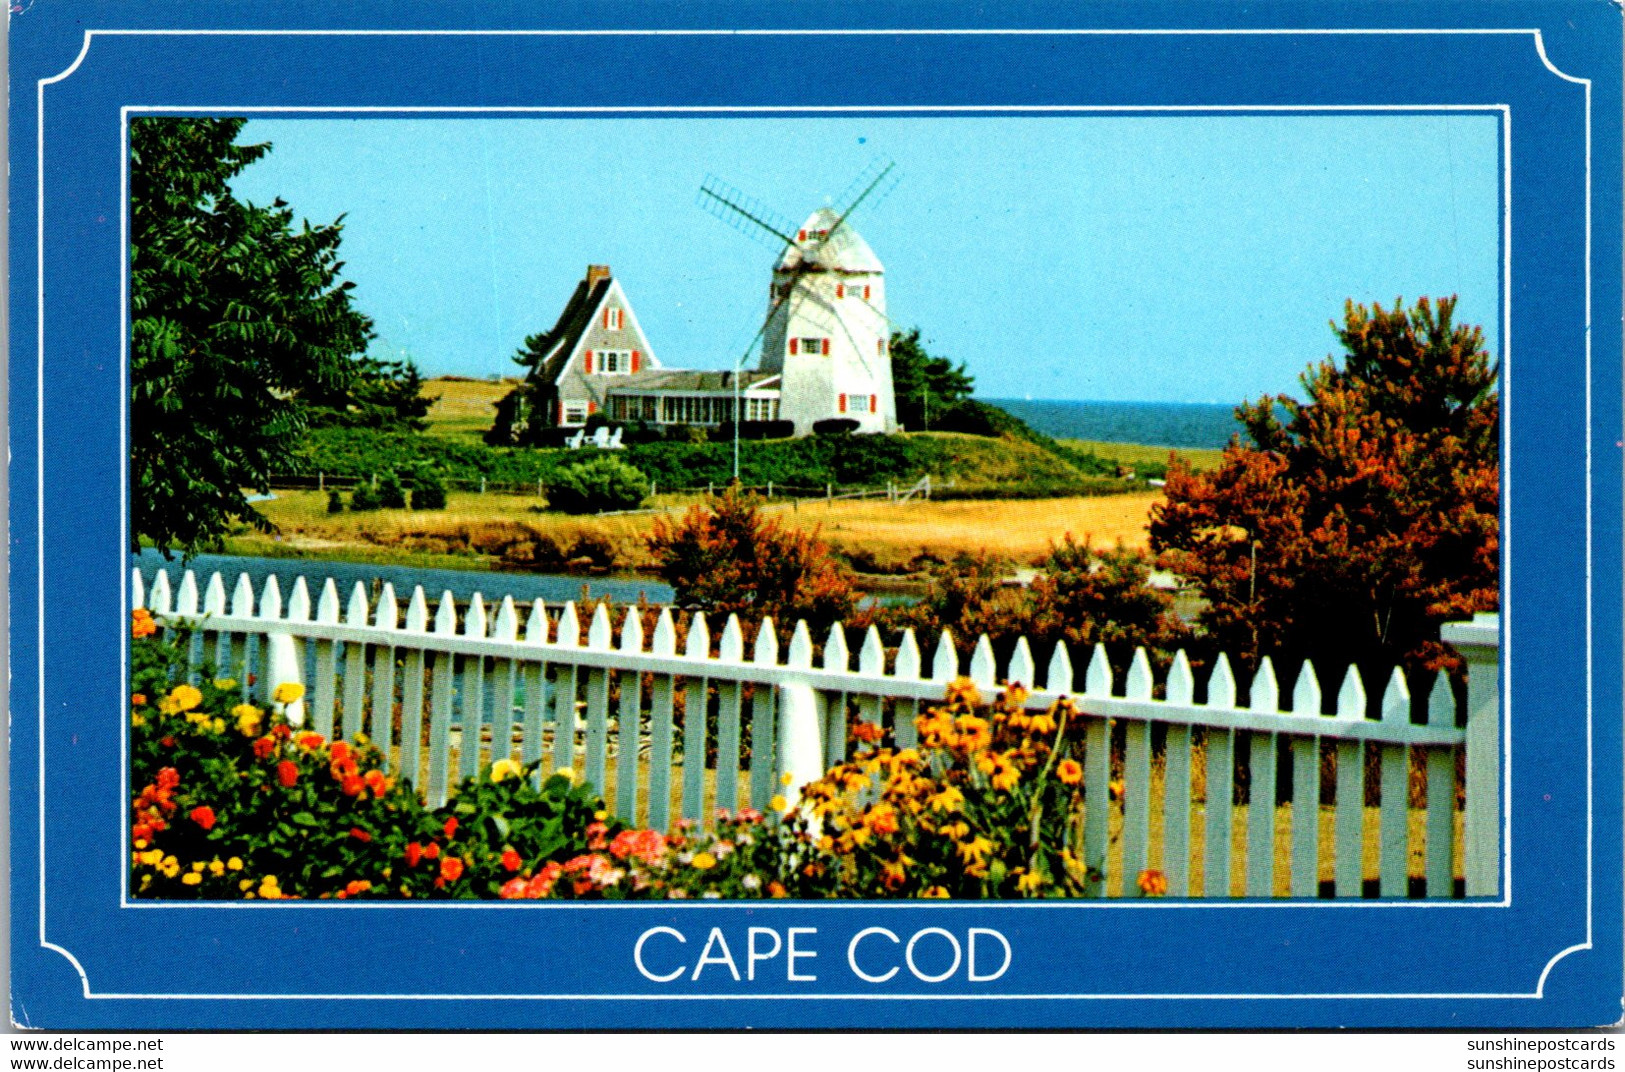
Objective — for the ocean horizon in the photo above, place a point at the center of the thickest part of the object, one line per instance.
(1161, 424)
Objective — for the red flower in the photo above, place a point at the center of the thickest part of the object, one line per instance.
(360, 834)
(431, 851)
(169, 778)
(264, 747)
(281, 730)
(595, 836)
(167, 742)
(414, 853)
(451, 869)
(512, 890)
(340, 752)
(141, 831)
(351, 785)
(138, 699)
(287, 772)
(511, 860)
(451, 828)
(376, 782)
(204, 817)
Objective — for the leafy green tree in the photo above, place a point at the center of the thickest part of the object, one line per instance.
(1358, 521)
(386, 395)
(595, 485)
(926, 387)
(236, 317)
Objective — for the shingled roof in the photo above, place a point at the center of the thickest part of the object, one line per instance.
(560, 342)
(687, 380)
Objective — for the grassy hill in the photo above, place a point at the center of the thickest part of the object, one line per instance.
(463, 409)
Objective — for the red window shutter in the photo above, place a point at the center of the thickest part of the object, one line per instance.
(592, 407)
(826, 347)
(874, 403)
(843, 403)
(589, 361)
(793, 347)
(636, 358)
(840, 290)
(865, 293)
(801, 236)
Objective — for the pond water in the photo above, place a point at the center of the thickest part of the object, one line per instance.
(462, 584)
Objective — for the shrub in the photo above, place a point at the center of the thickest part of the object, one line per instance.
(835, 426)
(391, 495)
(335, 502)
(365, 497)
(729, 559)
(755, 430)
(428, 493)
(596, 485)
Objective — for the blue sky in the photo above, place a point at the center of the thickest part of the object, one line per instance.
(1149, 258)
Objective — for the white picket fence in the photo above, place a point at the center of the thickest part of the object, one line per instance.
(494, 685)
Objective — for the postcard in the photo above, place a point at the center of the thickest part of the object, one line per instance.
(857, 517)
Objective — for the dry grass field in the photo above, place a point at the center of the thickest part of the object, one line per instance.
(464, 408)
(1132, 454)
(473, 528)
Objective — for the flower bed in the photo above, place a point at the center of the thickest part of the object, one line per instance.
(234, 802)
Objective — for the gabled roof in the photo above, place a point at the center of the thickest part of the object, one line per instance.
(559, 343)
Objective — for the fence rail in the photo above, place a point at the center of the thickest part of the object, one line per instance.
(445, 695)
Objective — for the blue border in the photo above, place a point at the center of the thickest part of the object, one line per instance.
(1427, 963)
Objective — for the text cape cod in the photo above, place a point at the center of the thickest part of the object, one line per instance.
(874, 955)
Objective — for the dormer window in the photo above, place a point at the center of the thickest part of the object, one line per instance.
(614, 319)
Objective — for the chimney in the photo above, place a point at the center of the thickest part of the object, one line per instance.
(596, 273)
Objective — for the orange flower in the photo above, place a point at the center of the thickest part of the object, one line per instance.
(340, 752)
(169, 778)
(204, 817)
(867, 732)
(138, 699)
(451, 869)
(141, 623)
(310, 741)
(351, 786)
(414, 853)
(431, 851)
(360, 834)
(1069, 771)
(511, 860)
(1152, 883)
(360, 885)
(451, 828)
(376, 781)
(287, 773)
(264, 747)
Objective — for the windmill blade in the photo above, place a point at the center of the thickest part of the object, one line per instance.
(876, 181)
(894, 325)
(745, 214)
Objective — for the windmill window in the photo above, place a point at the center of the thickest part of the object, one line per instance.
(810, 345)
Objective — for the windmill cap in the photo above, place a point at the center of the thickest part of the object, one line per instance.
(843, 251)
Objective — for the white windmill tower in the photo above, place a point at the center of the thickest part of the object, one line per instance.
(826, 333)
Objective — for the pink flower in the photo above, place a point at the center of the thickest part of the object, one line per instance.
(648, 846)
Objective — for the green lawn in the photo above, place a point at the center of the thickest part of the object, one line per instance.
(1141, 454)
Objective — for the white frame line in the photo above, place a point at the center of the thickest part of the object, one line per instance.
(1506, 348)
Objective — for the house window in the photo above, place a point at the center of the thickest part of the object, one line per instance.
(614, 319)
(610, 362)
(810, 345)
(575, 413)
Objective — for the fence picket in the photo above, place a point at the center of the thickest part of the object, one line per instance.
(1395, 766)
(383, 673)
(1216, 808)
(327, 612)
(564, 692)
(729, 702)
(628, 722)
(597, 759)
(660, 727)
(1349, 823)
(444, 675)
(1097, 776)
(1136, 803)
(471, 715)
(532, 748)
(355, 666)
(412, 671)
(696, 712)
(906, 710)
(832, 703)
(1176, 809)
(1441, 793)
(1261, 816)
(763, 762)
(1305, 816)
(504, 679)
(1021, 665)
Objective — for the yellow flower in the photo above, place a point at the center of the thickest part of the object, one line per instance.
(786, 778)
(246, 884)
(234, 864)
(184, 697)
(152, 857)
(137, 720)
(199, 865)
(269, 880)
(600, 815)
(703, 861)
(974, 851)
(225, 684)
(505, 768)
(779, 804)
(1043, 723)
(936, 892)
(288, 692)
(1030, 882)
(218, 725)
(1070, 771)
(170, 867)
(191, 878)
(141, 843)
(216, 868)
(567, 774)
(963, 690)
(949, 798)
(248, 719)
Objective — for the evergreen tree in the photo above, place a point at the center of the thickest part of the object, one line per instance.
(236, 316)
(926, 387)
(1357, 522)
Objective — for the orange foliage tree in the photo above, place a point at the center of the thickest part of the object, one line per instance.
(727, 558)
(1351, 529)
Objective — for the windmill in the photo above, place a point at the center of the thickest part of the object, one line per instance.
(825, 331)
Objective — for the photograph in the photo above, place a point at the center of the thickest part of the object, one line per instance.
(1061, 506)
(845, 519)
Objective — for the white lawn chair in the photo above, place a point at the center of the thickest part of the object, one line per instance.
(614, 440)
(574, 442)
(600, 438)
